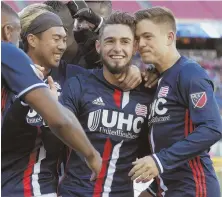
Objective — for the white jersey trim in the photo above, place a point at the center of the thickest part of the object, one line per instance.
(31, 87)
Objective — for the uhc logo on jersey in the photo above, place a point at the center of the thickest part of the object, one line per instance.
(199, 99)
(35, 119)
(115, 123)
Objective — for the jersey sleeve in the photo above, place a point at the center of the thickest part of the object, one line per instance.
(70, 96)
(18, 70)
(203, 125)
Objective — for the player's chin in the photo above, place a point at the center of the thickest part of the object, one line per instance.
(54, 63)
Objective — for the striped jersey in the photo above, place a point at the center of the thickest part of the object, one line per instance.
(114, 121)
(30, 152)
(184, 122)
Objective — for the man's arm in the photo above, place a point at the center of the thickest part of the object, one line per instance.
(63, 125)
(20, 78)
(197, 93)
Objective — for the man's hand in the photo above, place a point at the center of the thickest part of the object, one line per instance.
(144, 170)
(150, 77)
(95, 164)
(131, 79)
(52, 87)
(88, 15)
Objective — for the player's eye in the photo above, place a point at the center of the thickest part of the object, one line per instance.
(148, 37)
(125, 41)
(109, 41)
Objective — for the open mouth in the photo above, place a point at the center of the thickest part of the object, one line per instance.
(117, 57)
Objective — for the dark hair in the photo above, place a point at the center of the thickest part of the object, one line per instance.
(121, 18)
(6, 9)
(157, 15)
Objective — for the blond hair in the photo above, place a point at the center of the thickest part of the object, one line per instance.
(158, 15)
(30, 13)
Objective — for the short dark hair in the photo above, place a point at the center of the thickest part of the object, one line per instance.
(119, 18)
(6, 9)
(157, 15)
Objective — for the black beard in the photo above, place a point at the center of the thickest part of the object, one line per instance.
(115, 70)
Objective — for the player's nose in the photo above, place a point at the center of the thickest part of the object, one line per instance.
(117, 47)
(141, 43)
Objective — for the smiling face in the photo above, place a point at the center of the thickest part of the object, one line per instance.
(116, 47)
(50, 46)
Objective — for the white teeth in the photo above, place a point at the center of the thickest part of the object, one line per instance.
(116, 57)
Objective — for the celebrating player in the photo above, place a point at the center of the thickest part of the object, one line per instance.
(184, 118)
(18, 77)
(112, 119)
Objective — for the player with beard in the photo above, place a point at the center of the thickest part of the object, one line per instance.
(113, 119)
(87, 24)
(128, 81)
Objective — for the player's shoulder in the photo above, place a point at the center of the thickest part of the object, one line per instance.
(79, 80)
(12, 54)
(191, 70)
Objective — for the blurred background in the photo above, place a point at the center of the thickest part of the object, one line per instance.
(199, 32)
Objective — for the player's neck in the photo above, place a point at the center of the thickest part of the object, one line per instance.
(168, 60)
(111, 78)
(38, 62)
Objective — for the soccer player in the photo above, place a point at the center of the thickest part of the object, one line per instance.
(44, 41)
(113, 119)
(128, 81)
(18, 77)
(184, 118)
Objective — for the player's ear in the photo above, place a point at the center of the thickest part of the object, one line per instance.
(171, 36)
(32, 40)
(97, 45)
(7, 33)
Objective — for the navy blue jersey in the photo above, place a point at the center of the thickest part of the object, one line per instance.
(113, 121)
(18, 75)
(30, 152)
(185, 121)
